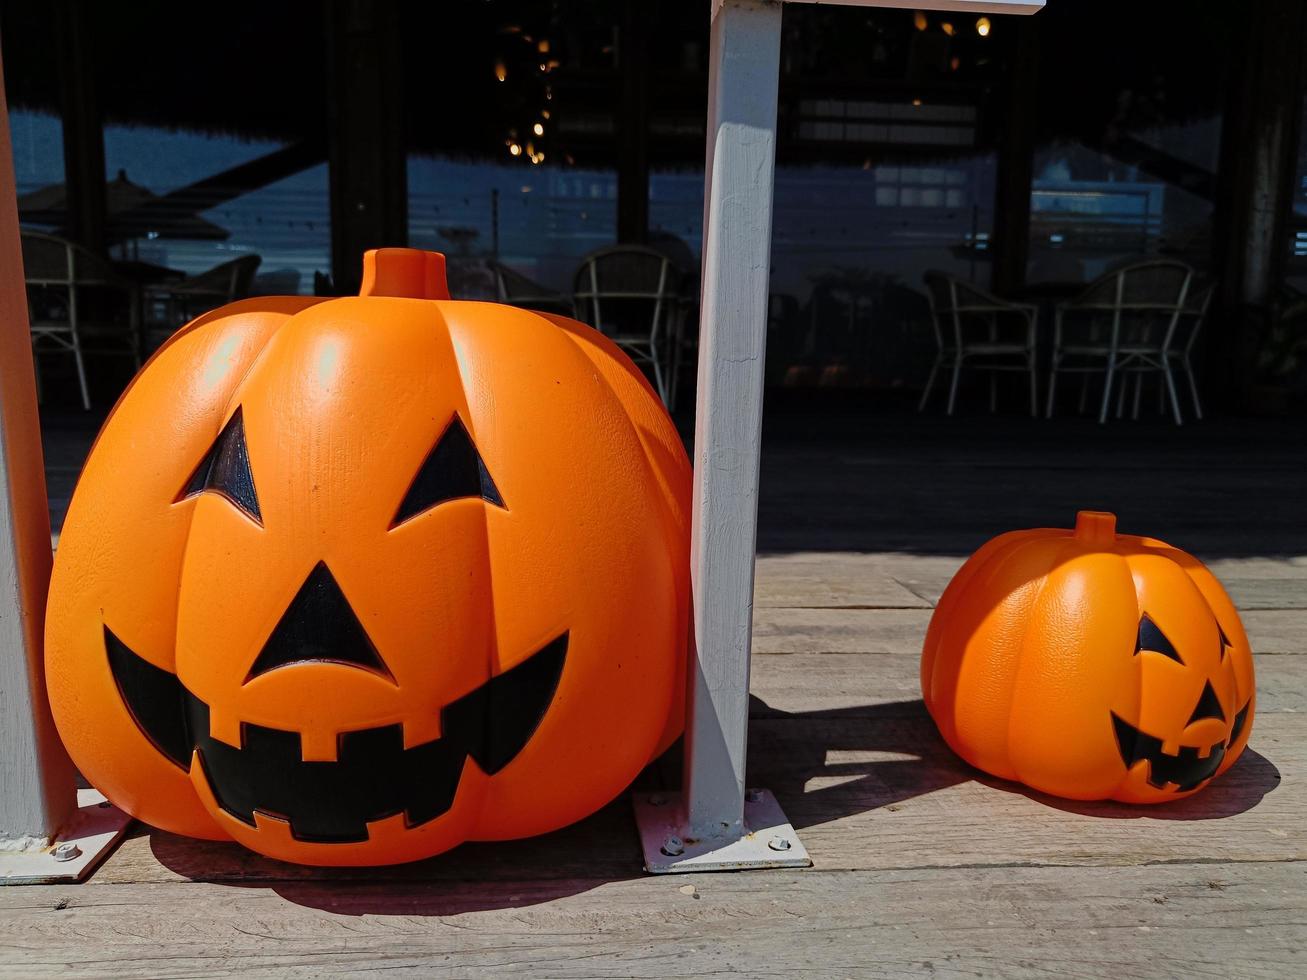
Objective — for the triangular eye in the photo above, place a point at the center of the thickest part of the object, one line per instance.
(453, 469)
(225, 470)
(1153, 639)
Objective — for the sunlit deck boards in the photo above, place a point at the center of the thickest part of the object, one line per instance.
(922, 865)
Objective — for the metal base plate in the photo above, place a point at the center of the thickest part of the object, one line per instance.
(768, 842)
(91, 834)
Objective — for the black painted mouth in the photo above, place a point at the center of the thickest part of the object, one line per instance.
(373, 777)
(1185, 770)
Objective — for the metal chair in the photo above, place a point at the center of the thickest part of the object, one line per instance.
(1140, 318)
(980, 331)
(207, 290)
(515, 289)
(59, 274)
(632, 295)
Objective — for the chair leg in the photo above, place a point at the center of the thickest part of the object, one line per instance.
(1170, 389)
(1120, 396)
(1052, 388)
(1084, 393)
(674, 372)
(953, 389)
(1193, 388)
(1034, 389)
(660, 381)
(36, 370)
(81, 373)
(1139, 387)
(1107, 390)
(930, 382)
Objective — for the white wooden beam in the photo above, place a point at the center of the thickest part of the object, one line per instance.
(961, 6)
(44, 835)
(738, 172)
(36, 781)
(714, 824)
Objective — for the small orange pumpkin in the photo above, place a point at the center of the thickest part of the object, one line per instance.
(354, 580)
(1090, 665)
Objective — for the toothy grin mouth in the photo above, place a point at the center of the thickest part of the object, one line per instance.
(373, 777)
(1186, 770)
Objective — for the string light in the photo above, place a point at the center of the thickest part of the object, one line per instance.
(947, 28)
(501, 72)
(983, 26)
(515, 149)
(538, 129)
(919, 20)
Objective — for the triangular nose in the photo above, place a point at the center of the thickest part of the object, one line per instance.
(1209, 706)
(319, 627)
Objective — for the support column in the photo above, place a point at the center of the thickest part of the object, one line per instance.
(1259, 148)
(633, 126)
(365, 134)
(49, 831)
(715, 824)
(83, 125)
(36, 777)
(1010, 240)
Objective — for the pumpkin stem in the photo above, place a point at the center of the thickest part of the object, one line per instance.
(1095, 527)
(407, 272)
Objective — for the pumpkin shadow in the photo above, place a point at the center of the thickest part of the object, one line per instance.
(823, 766)
(831, 764)
(474, 877)
(1237, 790)
(834, 763)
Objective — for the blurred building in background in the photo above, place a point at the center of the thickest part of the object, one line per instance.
(1026, 156)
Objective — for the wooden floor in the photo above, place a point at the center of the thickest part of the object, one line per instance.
(923, 867)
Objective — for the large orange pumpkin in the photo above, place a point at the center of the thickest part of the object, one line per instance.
(1090, 665)
(355, 580)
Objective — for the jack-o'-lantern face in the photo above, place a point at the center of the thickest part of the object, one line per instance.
(1090, 665)
(421, 581)
(1172, 751)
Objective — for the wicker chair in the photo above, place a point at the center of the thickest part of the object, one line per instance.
(69, 292)
(1139, 319)
(979, 331)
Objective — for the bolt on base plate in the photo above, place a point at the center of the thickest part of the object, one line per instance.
(90, 835)
(768, 841)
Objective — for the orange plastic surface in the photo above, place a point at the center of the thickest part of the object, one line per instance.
(341, 401)
(1033, 649)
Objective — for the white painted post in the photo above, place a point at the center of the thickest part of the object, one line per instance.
(741, 153)
(44, 835)
(715, 824)
(36, 778)
(712, 825)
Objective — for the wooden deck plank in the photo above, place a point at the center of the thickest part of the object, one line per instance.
(878, 793)
(852, 580)
(861, 684)
(1212, 920)
(923, 866)
(809, 630)
(844, 742)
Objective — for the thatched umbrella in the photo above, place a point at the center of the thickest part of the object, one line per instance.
(128, 210)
